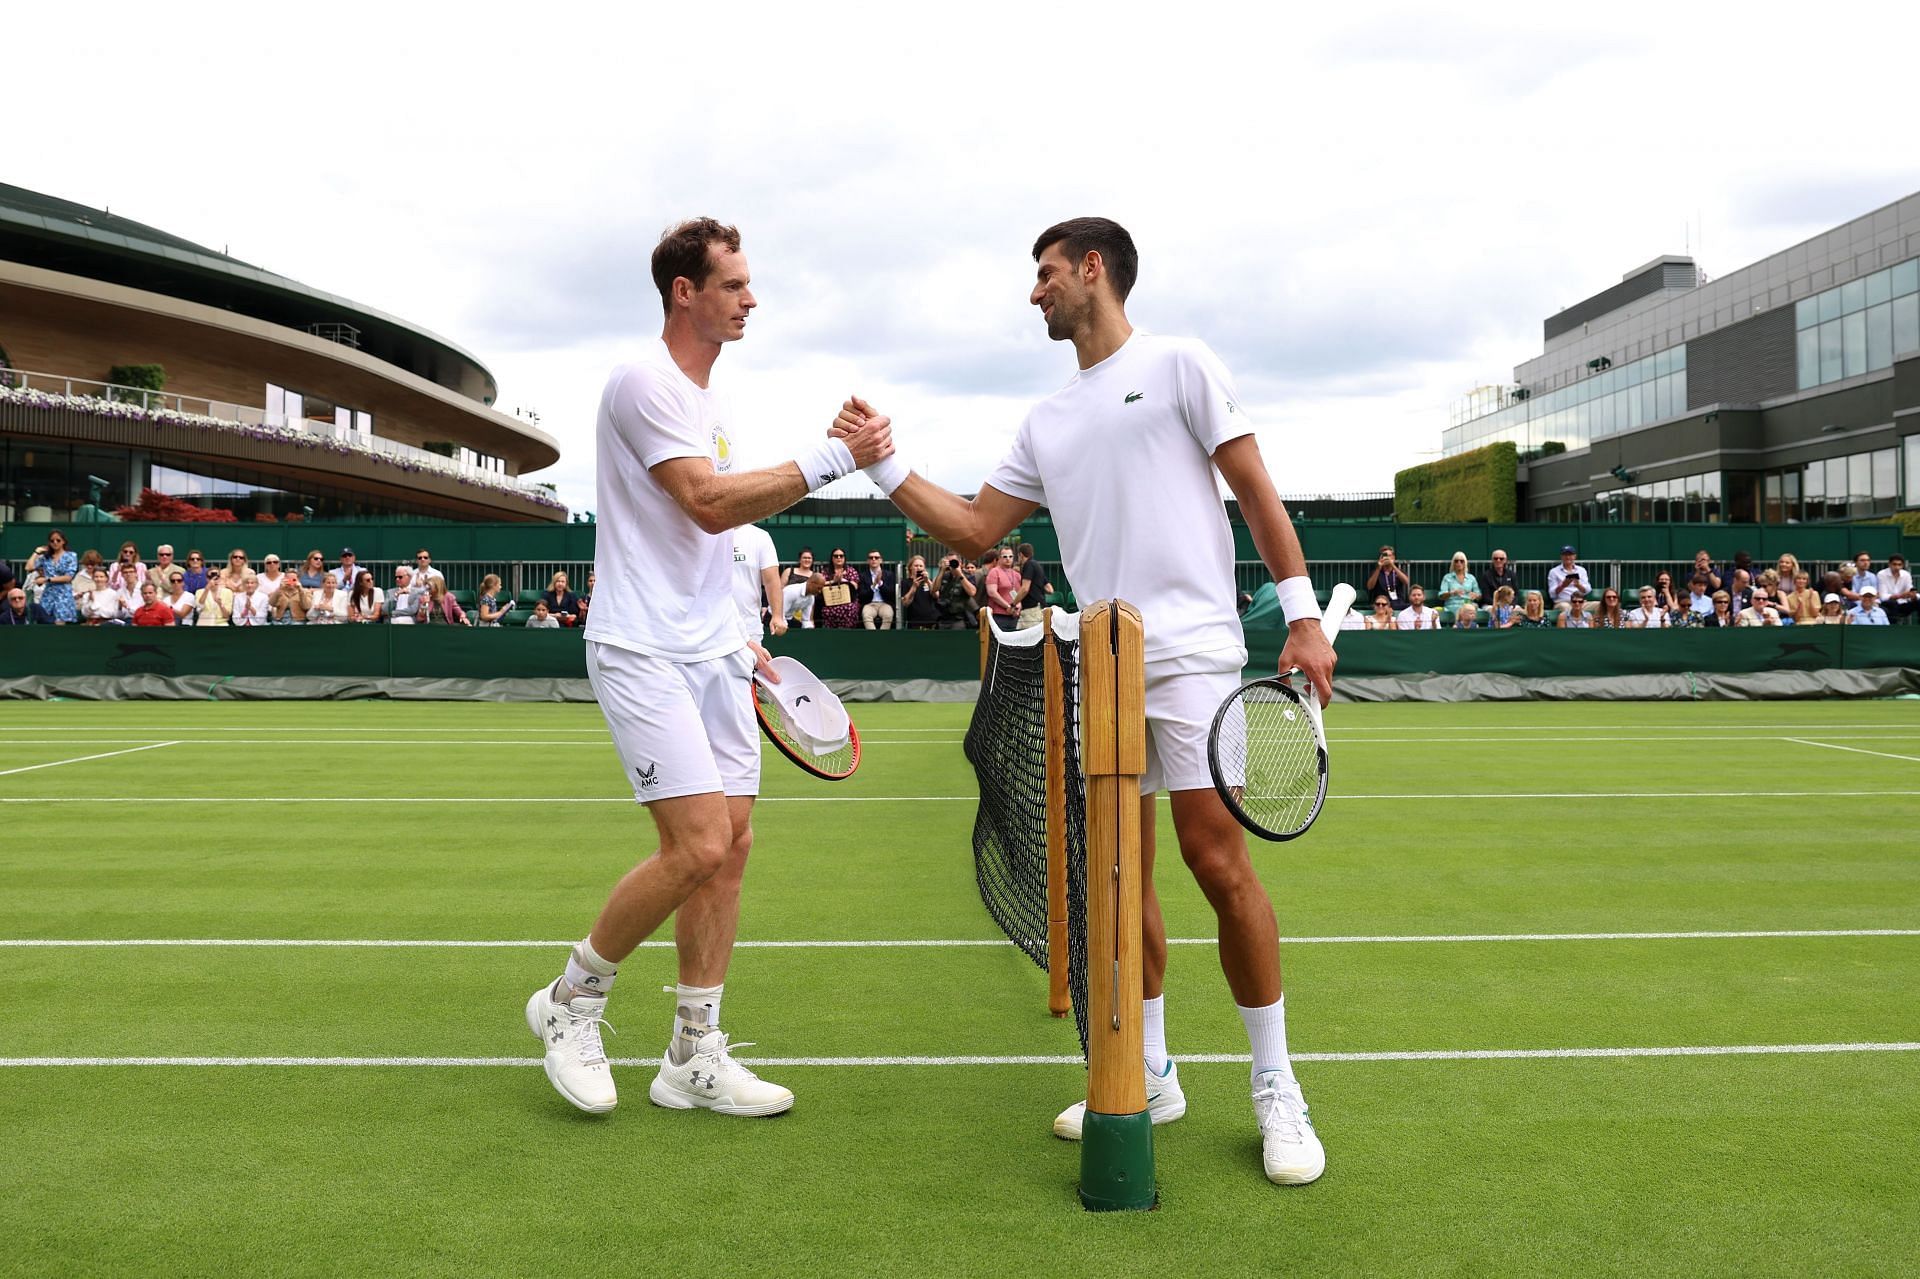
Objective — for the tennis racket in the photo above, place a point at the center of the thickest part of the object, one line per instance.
(806, 722)
(1268, 749)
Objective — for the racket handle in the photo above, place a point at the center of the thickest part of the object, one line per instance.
(1338, 603)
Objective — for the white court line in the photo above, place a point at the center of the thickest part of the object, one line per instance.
(1882, 793)
(81, 759)
(601, 728)
(1464, 1054)
(604, 743)
(1490, 738)
(916, 943)
(1912, 759)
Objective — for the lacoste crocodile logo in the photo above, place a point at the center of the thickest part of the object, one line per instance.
(1136, 395)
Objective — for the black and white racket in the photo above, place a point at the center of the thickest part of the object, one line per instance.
(806, 722)
(1268, 749)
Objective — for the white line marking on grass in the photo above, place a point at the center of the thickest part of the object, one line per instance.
(1912, 759)
(947, 799)
(917, 943)
(1465, 1054)
(81, 759)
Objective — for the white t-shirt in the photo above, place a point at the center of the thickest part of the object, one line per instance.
(1122, 455)
(1649, 618)
(752, 552)
(1419, 618)
(665, 587)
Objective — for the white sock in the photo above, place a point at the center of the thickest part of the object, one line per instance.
(1267, 1032)
(1153, 1025)
(696, 1011)
(587, 973)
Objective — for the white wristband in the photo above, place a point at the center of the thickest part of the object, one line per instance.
(889, 473)
(1297, 600)
(826, 463)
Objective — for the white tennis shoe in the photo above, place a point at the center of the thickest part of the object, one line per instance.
(576, 1063)
(1165, 1102)
(1289, 1148)
(712, 1080)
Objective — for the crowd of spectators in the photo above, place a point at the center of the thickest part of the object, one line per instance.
(1737, 593)
(832, 594)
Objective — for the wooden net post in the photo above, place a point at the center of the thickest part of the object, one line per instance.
(1116, 1152)
(986, 643)
(1059, 1003)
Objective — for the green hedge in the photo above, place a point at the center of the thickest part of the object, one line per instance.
(1478, 487)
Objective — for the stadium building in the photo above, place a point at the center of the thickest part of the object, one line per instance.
(132, 359)
(1786, 391)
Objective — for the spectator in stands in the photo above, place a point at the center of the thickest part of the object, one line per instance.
(1786, 566)
(153, 611)
(329, 604)
(1761, 612)
(1770, 578)
(1868, 611)
(1796, 601)
(54, 566)
(348, 574)
(235, 574)
(878, 586)
(491, 611)
(1382, 618)
(1833, 612)
(127, 598)
(438, 607)
(423, 569)
(20, 612)
(1034, 585)
(1722, 614)
(1467, 617)
(1700, 597)
(1608, 616)
(586, 602)
(1574, 616)
(1533, 614)
(161, 566)
(251, 607)
(1649, 616)
(1740, 592)
(957, 594)
(919, 605)
(403, 601)
(1003, 590)
(1416, 616)
(288, 605)
(1388, 581)
(313, 571)
(1458, 586)
(178, 598)
(7, 579)
(1567, 578)
(1499, 573)
(562, 603)
(1663, 592)
(838, 609)
(1863, 577)
(196, 570)
(91, 577)
(1681, 615)
(1501, 615)
(795, 599)
(271, 576)
(541, 620)
(127, 572)
(213, 603)
(1896, 589)
(367, 602)
(1703, 567)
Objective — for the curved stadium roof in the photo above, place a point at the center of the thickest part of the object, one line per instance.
(59, 235)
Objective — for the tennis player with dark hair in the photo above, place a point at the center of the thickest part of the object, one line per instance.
(1126, 451)
(669, 661)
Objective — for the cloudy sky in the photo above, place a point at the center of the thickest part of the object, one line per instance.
(1367, 211)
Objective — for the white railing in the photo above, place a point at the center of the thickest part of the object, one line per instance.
(85, 392)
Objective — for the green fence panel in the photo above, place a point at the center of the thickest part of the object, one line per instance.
(167, 650)
(461, 652)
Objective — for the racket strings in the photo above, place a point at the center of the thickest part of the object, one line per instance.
(838, 761)
(1270, 759)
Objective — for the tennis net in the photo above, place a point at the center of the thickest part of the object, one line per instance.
(1007, 744)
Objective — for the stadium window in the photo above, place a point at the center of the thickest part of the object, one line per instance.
(1886, 480)
(1880, 337)
(1853, 342)
(1911, 445)
(1859, 484)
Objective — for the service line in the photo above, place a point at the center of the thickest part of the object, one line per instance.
(81, 759)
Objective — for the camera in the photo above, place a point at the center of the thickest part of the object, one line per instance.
(954, 562)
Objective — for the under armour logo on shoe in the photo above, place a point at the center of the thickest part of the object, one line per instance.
(552, 1022)
(557, 1036)
(706, 1083)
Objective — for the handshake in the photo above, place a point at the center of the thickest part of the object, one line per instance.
(869, 437)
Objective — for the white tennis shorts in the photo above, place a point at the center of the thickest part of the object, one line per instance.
(1183, 694)
(682, 728)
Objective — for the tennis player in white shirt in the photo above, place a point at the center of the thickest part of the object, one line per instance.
(756, 571)
(1129, 449)
(669, 659)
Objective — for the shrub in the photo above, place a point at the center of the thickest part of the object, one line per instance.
(1476, 487)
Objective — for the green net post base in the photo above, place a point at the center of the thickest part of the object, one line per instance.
(1116, 1163)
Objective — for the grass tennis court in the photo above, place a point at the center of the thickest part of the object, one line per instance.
(430, 1141)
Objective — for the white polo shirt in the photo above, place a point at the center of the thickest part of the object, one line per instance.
(752, 552)
(665, 586)
(1122, 456)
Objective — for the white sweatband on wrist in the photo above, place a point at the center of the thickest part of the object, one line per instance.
(889, 473)
(825, 463)
(1297, 600)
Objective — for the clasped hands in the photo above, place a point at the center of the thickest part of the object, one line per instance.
(868, 434)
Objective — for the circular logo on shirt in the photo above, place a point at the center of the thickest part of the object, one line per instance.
(722, 449)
